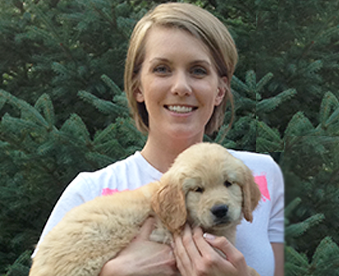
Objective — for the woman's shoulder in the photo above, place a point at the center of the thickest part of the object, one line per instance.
(260, 164)
(126, 174)
(252, 157)
(118, 166)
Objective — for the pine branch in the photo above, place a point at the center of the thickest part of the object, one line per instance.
(251, 81)
(267, 105)
(297, 259)
(106, 107)
(299, 125)
(105, 16)
(77, 128)
(27, 111)
(45, 105)
(328, 103)
(264, 80)
(326, 257)
(297, 229)
(323, 29)
(239, 85)
(111, 84)
(264, 131)
(291, 206)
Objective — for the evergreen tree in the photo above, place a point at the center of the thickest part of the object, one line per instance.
(252, 110)
(298, 42)
(39, 159)
(324, 261)
(310, 164)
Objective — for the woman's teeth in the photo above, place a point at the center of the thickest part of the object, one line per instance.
(180, 109)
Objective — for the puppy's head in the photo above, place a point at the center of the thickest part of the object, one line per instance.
(207, 187)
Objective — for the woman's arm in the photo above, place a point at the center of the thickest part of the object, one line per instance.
(143, 257)
(278, 249)
(76, 193)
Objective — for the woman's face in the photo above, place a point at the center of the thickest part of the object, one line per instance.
(179, 83)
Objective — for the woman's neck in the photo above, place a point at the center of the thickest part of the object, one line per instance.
(160, 153)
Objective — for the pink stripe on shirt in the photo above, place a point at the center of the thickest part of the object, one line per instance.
(262, 183)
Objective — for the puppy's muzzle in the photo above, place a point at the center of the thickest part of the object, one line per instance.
(220, 213)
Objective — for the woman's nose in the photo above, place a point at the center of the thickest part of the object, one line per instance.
(181, 85)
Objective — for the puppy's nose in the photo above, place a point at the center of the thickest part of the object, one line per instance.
(219, 211)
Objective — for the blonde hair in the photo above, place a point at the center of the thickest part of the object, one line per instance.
(199, 23)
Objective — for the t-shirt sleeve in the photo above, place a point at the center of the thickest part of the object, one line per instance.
(77, 192)
(276, 224)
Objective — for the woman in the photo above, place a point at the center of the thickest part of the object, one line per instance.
(177, 78)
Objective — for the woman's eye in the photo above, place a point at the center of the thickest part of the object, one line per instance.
(199, 71)
(161, 69)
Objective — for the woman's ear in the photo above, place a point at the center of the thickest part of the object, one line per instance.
(139, 95)
(169, 205)
(221, 91)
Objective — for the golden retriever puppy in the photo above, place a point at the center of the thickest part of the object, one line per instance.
(206, 186)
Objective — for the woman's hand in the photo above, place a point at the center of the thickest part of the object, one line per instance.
(143, 257)
(196, 255)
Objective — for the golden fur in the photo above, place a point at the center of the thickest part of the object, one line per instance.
(202, 178)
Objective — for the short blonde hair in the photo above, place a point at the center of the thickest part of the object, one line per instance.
(199, 23)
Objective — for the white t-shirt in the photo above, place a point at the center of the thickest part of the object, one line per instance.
(253, 239)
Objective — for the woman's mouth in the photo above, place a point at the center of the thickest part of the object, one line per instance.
(180, 108)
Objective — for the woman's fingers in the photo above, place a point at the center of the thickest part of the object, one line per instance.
(190, 243)
(204, 254)
(146, 229)
(183, 259)
(233, 255)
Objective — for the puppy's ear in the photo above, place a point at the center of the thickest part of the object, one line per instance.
(251, 194)
(169, 204)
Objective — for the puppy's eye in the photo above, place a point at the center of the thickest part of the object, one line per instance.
(198, 190)
(227, 184)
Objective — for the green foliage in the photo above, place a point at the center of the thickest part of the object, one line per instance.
(21, 265)
(325, 260)
(297, 42)
(39, 159)
(67, 49)
(294, 231)
(63, 110)
(250, 130)
(300, 126)
(311, 165)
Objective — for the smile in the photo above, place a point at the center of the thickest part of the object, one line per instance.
(180, 109)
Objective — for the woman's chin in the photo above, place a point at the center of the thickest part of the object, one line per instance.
(185, 133)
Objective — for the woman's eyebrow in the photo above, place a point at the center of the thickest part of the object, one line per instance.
(198, 61)
(157, 59)
(201, 61)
